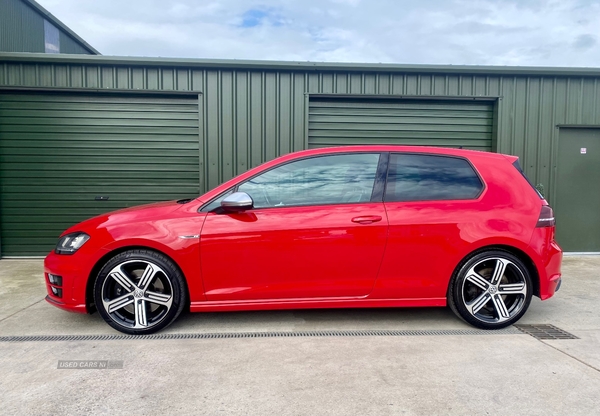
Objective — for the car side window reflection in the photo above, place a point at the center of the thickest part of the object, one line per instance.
(414, 177)
(336, 179)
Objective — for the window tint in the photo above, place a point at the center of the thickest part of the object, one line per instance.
(336, 179)
(425, 177)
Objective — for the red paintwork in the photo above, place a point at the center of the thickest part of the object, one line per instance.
(351, 255)
(303, 252)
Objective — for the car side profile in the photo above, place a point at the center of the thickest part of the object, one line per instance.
(345, 227)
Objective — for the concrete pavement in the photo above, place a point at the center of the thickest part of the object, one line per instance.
(410, 375)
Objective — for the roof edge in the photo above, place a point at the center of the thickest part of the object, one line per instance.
(38, 7)
(297, 66)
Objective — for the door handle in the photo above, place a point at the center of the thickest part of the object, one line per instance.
(366, 219)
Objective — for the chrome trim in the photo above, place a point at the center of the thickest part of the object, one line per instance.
(237, 200)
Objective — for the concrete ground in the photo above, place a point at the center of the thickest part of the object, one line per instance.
(493, 374)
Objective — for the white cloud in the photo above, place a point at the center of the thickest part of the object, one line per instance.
(487, 32)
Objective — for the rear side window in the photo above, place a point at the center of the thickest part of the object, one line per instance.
(414, 177)
(517, 165)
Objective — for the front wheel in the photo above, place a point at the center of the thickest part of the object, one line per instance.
(139, 292)
(492, 290)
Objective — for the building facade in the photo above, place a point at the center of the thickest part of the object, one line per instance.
(25, 26)
(81, 135)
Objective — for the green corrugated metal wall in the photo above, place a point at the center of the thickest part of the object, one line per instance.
(59, 152)
(22, 30)
(69, 45)
(249, 115)
(343, 122)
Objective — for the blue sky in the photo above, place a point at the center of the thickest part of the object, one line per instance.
(260, 16)
(253, 17)
(481, 32)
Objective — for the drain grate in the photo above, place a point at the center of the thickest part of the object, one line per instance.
(278, 334)
(545, 331)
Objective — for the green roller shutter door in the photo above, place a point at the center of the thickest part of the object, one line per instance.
(59, 153)
(341, 122)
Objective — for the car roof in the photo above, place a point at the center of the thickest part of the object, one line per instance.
(395, 148)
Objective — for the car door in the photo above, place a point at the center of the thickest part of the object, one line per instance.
(317, 230)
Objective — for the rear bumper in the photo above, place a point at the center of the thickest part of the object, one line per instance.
(551, 288)
(558, 286)
(548, 261)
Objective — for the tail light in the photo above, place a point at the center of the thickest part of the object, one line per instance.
(546, 218)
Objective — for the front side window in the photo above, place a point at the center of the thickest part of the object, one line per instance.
(414, 177)
(335, 179)
(216, 203)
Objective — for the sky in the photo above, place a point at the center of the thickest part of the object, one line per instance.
(459, 32)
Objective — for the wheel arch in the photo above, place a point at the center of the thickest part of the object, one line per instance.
(520, 254)
(89, 289)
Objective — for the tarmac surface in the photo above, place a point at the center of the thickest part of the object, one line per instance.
(434, 364)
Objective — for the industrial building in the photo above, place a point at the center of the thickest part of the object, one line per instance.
(84, 134)
(25, 26)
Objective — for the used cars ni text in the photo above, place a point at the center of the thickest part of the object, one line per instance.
(364, 226)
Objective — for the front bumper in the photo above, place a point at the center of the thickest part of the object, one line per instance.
(67, 307)
(70, 295)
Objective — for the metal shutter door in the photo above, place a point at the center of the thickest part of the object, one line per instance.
(59, 152)
(341, 122)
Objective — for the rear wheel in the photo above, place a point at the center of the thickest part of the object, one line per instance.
(139, 292)
(491, 290)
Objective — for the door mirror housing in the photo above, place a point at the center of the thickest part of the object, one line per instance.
(237, 201)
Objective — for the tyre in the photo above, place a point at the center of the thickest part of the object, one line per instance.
(491, 290)
(139, 292)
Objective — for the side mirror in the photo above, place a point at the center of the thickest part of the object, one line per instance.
(237, 201)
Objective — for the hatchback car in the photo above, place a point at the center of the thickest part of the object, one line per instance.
(346, 227)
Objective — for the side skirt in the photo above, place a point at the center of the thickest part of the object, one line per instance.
(312, 303)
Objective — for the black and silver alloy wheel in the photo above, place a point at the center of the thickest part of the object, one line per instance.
(491, 290)
(139, 292)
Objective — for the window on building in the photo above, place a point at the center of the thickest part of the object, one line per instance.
(51, 38)
(427, 177)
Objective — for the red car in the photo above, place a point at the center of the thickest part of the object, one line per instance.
(347, 227)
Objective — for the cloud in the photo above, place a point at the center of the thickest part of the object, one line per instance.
(585, 41)
(486, 32)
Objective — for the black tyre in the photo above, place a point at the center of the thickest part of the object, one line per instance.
(491, 290)
(139, 292)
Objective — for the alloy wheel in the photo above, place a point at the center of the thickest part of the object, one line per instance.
(494, 290)
(137, 294)
(491, 289)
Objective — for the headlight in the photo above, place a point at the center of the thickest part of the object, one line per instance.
(70, 243)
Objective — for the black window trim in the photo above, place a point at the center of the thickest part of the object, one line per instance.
(483, 183)
(206, 204)
(517, 165)
(381, 177)
(378, 181)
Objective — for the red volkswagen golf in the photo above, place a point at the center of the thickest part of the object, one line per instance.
(367, 226)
